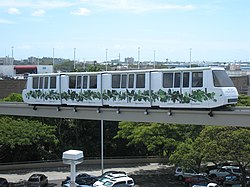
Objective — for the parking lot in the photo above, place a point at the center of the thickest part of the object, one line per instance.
(150, 175)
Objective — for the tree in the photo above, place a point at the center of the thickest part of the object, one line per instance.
(158, 138)
(227, 144)
(23, 139)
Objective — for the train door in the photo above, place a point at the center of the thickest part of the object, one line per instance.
(51, 90)
(117, 96)
(171, 94)
(83, 89)
(138, 89)
(185, 89)
(198, 91)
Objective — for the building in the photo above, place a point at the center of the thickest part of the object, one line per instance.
(18, 71)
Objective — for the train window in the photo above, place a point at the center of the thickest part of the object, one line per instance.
(40, 82)
(52, 82)
(167, 80)
(221, 79)
(35, 83)
(72, 82)
(140, 80)
(93, 81)
(185, 80)
(85, 82)
(197, 79)
(124, 81)
(131, 81)
(46, 82)
(116, 81)
(78, 82)
(177, 80)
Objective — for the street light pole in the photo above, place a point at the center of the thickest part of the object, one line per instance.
(74, 59)
(12, 59)
(106, 59)
(138, 57)
(53, 63)
(190, 57)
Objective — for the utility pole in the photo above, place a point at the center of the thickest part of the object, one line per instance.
(106, 59)
(138, 57)
(74, 59)
(12, 59)
(190, 57)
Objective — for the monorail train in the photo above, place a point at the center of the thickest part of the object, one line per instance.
(207, 87)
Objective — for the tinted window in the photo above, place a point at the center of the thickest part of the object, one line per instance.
(93, 81)
(35, 83)
(185, 79)
(85, 82)
(197, 79)
(124, 81)
(79, 82)
(46, 82)
(40, 82)
(177, 80)
(140, 80)
(131, 81)
(221, 79)
(52, 82)
(72, 82)
(167, 80)
(116, 81)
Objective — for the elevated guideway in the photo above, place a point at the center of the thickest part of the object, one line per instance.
(235, 117)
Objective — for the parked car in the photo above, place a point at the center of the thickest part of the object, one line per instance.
(181, 173)
(82, 179)
(119, 181)
(208, 185)
(107, 176)
(37, 180)
(199, 179)
(3, 182)
(224, 171)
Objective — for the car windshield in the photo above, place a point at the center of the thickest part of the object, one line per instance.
(34, 180)
(236, 170)
(108, 183)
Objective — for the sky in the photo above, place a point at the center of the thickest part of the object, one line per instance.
(148, 30)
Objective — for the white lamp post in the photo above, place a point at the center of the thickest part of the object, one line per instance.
(72, 157)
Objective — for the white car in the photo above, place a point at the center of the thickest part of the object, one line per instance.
(209, 185)
(108, 177)
(119, 181)
(181, 173)
(224, 171)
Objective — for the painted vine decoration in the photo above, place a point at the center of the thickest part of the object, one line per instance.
(114, 95)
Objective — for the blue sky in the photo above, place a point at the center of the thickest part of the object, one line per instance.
(214, 30)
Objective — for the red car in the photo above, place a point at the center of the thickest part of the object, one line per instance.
(189, 181)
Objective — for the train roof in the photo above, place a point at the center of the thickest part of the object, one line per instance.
(131, 71)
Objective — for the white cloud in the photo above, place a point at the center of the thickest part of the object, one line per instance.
(138, 6)
(5, 21)
(38, 13)
(13, 11)
(38, 4)
(81, 12)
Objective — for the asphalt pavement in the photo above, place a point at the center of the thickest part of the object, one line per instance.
(150, 175)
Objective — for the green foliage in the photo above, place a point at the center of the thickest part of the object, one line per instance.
(14, 97)
(158, 138)
(18, 134)
(244, 100)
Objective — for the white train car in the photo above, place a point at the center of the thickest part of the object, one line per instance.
(208, 87)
